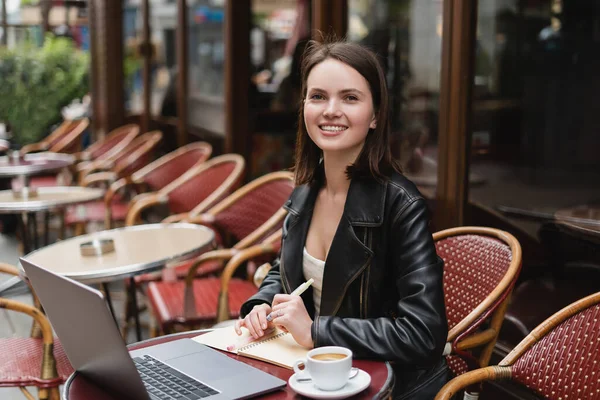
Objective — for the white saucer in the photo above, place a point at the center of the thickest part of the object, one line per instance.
(355, 385)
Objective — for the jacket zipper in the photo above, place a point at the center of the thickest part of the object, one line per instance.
(282, 270)
(364, 280)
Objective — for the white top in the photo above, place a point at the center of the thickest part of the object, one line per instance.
(313, 268)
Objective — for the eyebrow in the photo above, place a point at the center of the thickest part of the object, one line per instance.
(343, 91)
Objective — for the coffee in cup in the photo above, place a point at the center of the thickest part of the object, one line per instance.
(329, 356)
(328, 367)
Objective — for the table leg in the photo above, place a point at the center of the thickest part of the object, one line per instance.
(24, 228)
(34, 228)
(108, 300)
(134, 308)
(46, 227)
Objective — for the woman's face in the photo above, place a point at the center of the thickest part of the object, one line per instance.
(338, 108)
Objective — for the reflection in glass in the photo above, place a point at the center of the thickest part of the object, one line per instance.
(279, 34)
(407, 35)
(535, 114)
(206, 65)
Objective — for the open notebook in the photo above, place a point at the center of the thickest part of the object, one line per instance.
(276, 347)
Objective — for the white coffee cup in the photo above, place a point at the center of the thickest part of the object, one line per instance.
(328, 367)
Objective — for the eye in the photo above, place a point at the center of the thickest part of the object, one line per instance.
(351, 97)
(316, 96)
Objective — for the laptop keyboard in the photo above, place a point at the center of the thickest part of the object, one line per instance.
(165, 383)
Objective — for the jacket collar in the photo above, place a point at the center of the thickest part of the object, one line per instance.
(364, 204)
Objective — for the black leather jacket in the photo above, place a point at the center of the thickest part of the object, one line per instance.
(382, 291)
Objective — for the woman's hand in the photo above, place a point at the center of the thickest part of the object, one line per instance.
(290, 313)
(256, 321)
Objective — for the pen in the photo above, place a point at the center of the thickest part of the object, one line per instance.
(297, 292)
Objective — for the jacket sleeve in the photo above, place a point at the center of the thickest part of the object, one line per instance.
(270, 286)
(417, 333)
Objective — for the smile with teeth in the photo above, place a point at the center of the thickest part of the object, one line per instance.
(333, 128)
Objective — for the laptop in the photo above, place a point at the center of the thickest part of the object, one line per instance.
(180, 369)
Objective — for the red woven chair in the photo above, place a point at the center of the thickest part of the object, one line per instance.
(153, 177)
(201, 187)
(101, 154)
(249, 216)
(35, 361)
(64, 139)
(559, 359)
(481, 266)
(134, 156)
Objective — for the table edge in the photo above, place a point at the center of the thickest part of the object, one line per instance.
(384, 392)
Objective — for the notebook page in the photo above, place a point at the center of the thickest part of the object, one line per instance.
(227, 340)
(281, 350)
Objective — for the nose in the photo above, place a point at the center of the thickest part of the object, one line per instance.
(332, 110)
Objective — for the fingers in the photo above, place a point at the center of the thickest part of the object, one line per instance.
(256, 321)
(238, 326)
(282, 298)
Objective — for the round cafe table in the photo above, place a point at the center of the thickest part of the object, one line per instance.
(78, 387)
(33, 164)
(137, 249)
(46, 199)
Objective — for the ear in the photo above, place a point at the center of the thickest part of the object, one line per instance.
(373, 123)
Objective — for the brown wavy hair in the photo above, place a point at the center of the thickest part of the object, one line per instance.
(375, 160)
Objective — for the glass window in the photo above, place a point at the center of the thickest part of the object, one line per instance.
(279, 33)
(535, 114)
(407, 34)
(206, 66)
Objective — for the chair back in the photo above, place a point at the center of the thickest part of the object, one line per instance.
(171, 166)
(136, 154)
(481, 266)
(62, 139)
(70, 142)
(206, 184)
(113, 143)
(251, 206)
(559, 359)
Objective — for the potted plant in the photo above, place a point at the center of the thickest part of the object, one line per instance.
(36, 82)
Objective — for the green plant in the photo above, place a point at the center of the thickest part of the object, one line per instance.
(35, 83)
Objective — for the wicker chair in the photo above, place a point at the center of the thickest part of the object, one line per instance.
(249, 216)
(101, 153)
(64, 139)
(559, 359)
(201, 187)
(134, 156)
(154, 177)
(481, 266)
(35, 361)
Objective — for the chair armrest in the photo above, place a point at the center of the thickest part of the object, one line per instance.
(113, 189)
(201, 219)
(141, 202)
(189, 300)
(33, 147)
(181, 217)
(83, 156)
(49, 370)
(476, 340)
(98, 177)
(9, 269)
(233, 264)
(470, 378)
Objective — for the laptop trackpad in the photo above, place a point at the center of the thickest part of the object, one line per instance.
(207, 365)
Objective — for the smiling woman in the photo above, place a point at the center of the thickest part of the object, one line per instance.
(357, 227)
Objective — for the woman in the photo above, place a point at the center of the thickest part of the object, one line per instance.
(359, 228)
